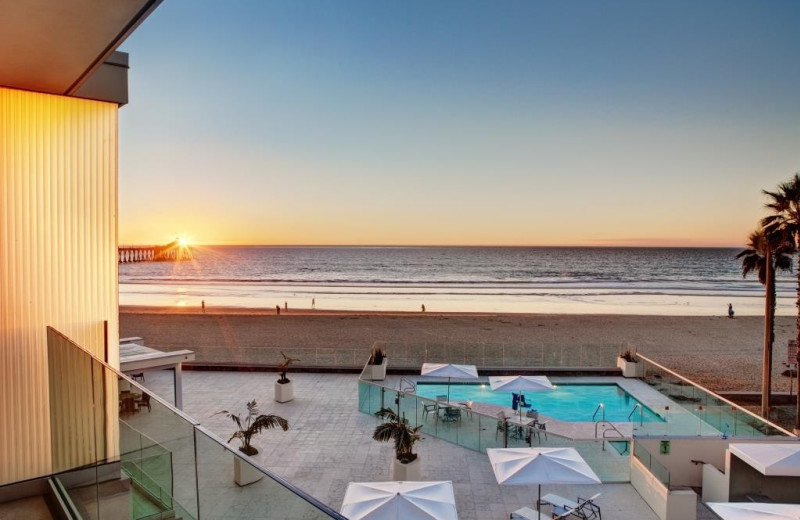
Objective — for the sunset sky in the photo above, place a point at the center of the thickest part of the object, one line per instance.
(458, 122)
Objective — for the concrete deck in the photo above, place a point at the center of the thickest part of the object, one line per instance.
(330, 444)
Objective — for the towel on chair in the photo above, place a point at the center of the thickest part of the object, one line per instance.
(514, 401)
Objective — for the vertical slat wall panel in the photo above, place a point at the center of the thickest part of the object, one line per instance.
(58, 264)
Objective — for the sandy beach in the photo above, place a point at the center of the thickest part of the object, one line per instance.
(721, 353)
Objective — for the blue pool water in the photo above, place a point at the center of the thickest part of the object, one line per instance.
(568, 402)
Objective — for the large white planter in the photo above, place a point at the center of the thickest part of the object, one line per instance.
(630, 368)
(407, 472)
(376, 372)
(244, 473)
(284, 392)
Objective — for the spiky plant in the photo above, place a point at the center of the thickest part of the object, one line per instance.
(253, 424)
(397, 429)
(763, 255)
(284, 367)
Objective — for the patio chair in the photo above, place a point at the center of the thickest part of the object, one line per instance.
(144, 401)
(427, 408)
(452, 414)
(538, 428)
(502, 425)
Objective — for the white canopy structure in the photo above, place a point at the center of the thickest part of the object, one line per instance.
(755, 511)
(400, 501)
(775, 459)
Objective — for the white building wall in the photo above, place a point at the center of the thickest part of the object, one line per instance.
(58, 264)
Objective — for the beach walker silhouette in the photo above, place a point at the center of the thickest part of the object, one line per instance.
(730, 310)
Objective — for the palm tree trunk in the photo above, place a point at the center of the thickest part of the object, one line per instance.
(797, 337)
(766, 376)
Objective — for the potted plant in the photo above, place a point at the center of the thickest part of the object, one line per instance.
(375, 369)
(406, 465)
(253, 424)
(284, 390)
(628, 363)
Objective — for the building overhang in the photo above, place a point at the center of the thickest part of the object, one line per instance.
(63, 46)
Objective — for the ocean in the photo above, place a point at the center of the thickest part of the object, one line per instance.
(550, 280)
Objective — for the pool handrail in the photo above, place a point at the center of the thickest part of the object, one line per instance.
(716, 396)
(641, 413)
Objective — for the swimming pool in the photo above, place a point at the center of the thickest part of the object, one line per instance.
(568, 402)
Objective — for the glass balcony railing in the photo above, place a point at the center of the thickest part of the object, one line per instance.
(138, 457)
(651, 463)
(502, 355)
(698, 411)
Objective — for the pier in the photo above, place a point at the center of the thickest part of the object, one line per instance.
(172, 252)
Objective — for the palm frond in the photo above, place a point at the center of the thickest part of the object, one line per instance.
(268, 422)
(387, 413)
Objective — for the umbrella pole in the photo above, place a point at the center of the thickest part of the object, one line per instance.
(539, 502)
(448, 389)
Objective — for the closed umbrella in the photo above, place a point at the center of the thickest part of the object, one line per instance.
(755, 511)
(528, 466)
(400, 501)
(449, 370)
(520, 383)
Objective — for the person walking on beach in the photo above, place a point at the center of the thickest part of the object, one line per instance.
(730, 310)
(278, 310)
(313, 303)
(423, 307)
(286, 306)
(203, 305)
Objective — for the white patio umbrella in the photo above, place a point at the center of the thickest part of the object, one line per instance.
(520, 383)
(449, 370)
(528, 466)
(755, 511)
(400, 501)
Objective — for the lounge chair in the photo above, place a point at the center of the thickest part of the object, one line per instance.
(584, 508)
(527, 513)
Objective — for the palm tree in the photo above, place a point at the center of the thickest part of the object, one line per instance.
(763, 255)
(253, 424)
(785, 219)
(398, 430)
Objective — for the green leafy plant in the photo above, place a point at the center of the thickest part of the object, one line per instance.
(252, 425)
(398, 430)
(629, 355)
(284, 367)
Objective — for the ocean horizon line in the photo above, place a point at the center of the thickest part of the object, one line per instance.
(428, 246)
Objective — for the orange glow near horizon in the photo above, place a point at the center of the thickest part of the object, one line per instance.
(295, 218)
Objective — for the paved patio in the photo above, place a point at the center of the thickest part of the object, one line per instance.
(330, 444)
